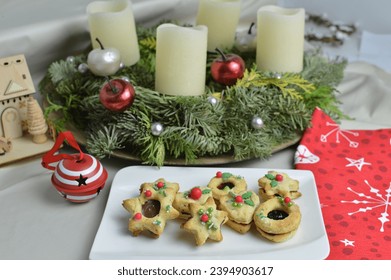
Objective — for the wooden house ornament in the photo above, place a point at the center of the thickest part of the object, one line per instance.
(21, 117)
(16, 85)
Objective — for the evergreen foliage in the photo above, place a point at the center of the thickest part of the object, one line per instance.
(193, 126)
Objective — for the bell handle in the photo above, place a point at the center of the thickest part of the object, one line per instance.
(51, 156)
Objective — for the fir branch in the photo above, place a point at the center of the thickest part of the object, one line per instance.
(193, 127)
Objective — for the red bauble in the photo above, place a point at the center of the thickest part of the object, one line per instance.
(227, 69)
(117, 95)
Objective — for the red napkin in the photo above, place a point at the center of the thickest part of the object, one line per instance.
(352, 169)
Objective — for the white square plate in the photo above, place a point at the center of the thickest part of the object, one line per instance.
(114, 241)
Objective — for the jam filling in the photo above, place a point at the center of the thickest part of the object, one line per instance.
(226, 184)
(277, 215)
(151, 208)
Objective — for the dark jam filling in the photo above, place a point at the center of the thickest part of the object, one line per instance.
(226, 184)
(151, 208)
(277, 215)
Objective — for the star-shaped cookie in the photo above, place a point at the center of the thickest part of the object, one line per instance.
(278, 183)
(205, 222)
(152, 208)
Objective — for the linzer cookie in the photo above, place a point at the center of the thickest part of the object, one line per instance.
(152, 208)
(277, 219)
(225, 182)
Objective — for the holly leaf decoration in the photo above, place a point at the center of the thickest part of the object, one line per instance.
(246, 195)
(226, 175)
(249, 202)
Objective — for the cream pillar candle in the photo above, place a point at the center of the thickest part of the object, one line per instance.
(113, 23)
(280, 39)
(221, 17)
(180, 59)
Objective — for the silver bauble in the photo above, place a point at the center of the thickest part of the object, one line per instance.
(212, 100)
(257, 122)
(156, 128)
(82, 68)
(70, 59)
(126, 79)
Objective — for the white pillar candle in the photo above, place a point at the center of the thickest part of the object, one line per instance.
(181, 59)
(222, 18)
(113, 23)
(280, 39)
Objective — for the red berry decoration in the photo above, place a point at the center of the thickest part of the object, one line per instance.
(137, 216)
(219, 174)
(195, 193)
(160, 185)
(117, 95)
(239, 199)
(148, 193)
(287, 199)
(204, 218)
(279, 178)
(227, 69)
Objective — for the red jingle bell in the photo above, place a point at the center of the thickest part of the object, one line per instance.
(78, 177)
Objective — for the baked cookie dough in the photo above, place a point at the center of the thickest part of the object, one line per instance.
(277, 219)
(225, 182)
(183, 200)
(152, 208)
(205, 222)
(278, 184)
(240, 208)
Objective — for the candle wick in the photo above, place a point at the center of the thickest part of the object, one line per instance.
(250, 29)
(113, 88)
(222, 54)
(100, 43)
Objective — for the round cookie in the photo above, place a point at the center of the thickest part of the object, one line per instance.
(225, 182)
(274, 216)
(278, 184)
(183, 200)
(277, 238)
(240, 208)
(152, 208)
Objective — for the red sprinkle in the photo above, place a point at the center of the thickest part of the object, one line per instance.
(279, 178)
(219, 174)
(287, 199)
(137, 216)
(148, 193)
(160, 185)
(204, 218)
(239, 199)
(195, 193)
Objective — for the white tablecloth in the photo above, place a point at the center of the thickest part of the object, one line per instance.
(35, 223)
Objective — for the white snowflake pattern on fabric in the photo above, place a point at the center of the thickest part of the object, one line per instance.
(340, 133)
(304, 155)
(347, 242)
(376, 199)
(359, 163)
